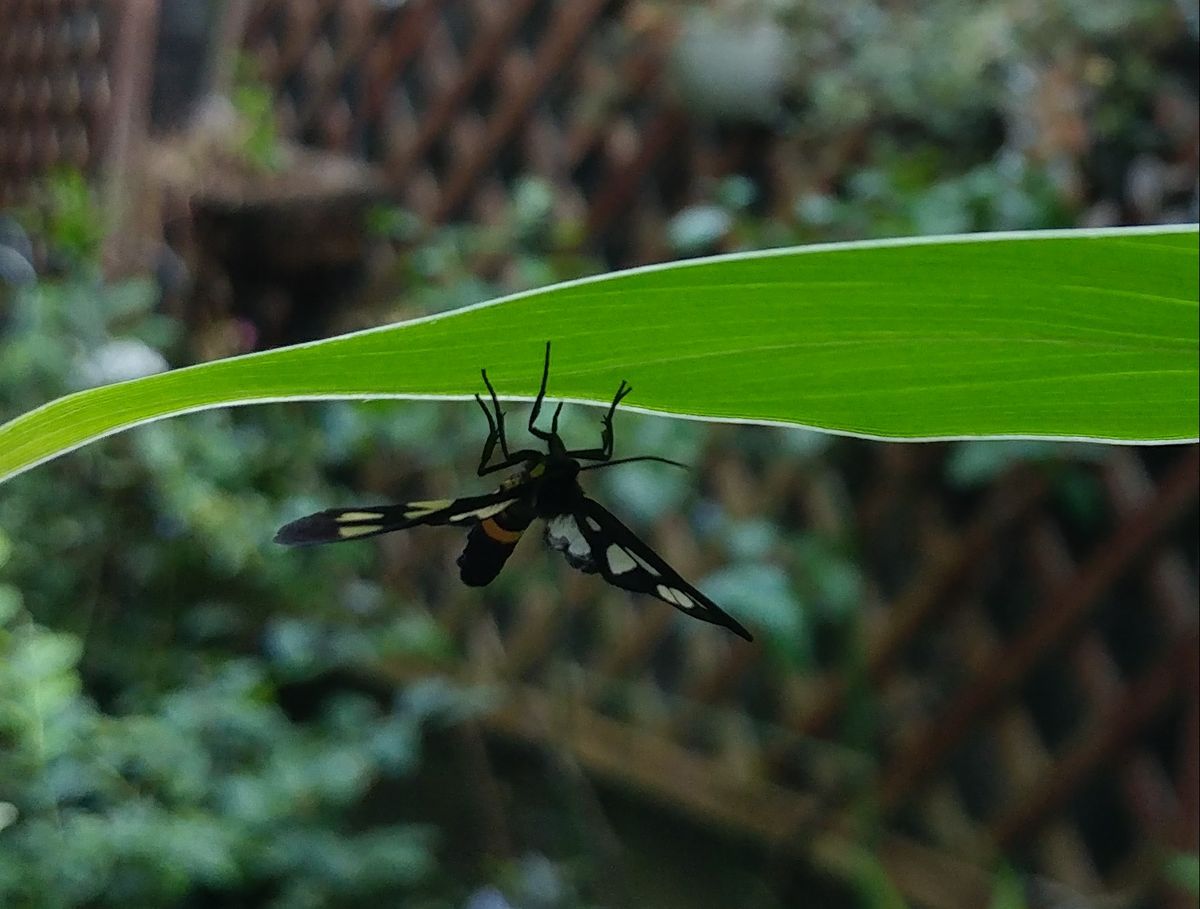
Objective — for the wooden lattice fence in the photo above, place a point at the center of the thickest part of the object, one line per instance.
(1032, 681)
(55, 88)
(74, 84)
(455, 100)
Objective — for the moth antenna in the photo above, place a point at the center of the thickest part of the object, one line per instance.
(638, 458)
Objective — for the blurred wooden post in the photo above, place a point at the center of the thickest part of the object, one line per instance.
(222, 66)
(122, 158)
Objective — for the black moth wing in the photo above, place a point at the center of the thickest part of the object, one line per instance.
(338, 524)
(626, 562)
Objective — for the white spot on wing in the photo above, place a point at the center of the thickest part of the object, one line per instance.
(646, 565)
(619, 561)
(675, 597)
(593, 523)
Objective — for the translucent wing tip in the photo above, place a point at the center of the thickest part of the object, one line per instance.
(307, 531)
(735, 626)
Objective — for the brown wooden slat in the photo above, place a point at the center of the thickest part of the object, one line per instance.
(646, 763)
(124, 145)
(481, 59)
(302, 16)
(568, 28)
(1059, 845)
(1147, 790)
(1187, 839)
(1104, 741)
(628, 654)
(639, 77)
(536, 631)
(1129, 486)
(325, 92)
(258, 17)
(1186, 836)
(393, 53)
(927, 595)
(624, 182)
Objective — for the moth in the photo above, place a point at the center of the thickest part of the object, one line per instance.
(545, 486)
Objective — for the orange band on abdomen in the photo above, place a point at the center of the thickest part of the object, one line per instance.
(498, 533)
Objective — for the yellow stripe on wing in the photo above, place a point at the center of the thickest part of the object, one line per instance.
(347, 516)
(423, 509)
(358, 530)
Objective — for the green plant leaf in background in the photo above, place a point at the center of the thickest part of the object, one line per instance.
(1063, 335)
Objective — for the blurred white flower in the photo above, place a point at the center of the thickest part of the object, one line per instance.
(118, 361)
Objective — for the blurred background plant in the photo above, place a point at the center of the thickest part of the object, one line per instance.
(202, 761)
(189, 716)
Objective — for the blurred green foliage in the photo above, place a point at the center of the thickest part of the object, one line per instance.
(903, 193)
(208, 787)
(148, 749)
(420, 269)
(259, 141)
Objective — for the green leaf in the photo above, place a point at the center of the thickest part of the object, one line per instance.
(1064, 335)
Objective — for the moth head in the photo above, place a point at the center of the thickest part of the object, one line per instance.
(555, 468)
(527, 472)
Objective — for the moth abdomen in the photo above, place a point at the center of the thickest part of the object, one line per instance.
(489, 544)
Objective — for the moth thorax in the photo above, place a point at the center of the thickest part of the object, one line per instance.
(515, 479)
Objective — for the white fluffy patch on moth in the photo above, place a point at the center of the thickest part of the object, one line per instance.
(563, 534)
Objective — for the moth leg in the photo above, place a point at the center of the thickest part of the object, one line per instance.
(605, 451)
(493, 436)
(496, 436)
(541, 396)
(606, 434)
(518, 457)
(495, 428)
